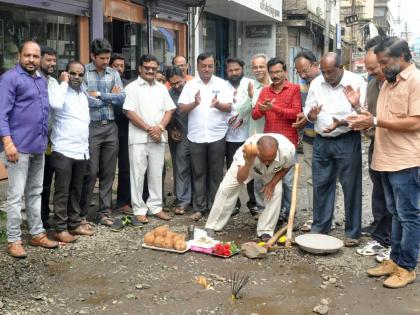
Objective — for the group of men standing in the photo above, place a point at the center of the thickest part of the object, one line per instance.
(93, 118)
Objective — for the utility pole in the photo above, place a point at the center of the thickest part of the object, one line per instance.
(352, 39)
(327, 26)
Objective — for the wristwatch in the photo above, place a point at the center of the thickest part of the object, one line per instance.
(161, 128)
(375, 121)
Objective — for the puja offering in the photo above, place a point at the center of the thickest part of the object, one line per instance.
(162, 238)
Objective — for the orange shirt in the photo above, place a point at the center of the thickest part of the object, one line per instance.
(396, 150)
(187, 78)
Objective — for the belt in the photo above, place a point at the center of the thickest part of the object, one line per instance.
(102, 122)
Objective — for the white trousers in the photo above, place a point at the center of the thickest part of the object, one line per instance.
(150, 157)
(225, 201)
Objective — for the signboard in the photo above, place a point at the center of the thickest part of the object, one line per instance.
(259, 38)
(271, 8)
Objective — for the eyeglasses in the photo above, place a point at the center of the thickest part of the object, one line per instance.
(75, 74)
(258, 67)
(279, 72)
(153, 69)
(304, 71)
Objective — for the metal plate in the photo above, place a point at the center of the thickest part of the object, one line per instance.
(319, 243)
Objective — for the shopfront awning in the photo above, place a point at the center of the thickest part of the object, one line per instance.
(247, 10)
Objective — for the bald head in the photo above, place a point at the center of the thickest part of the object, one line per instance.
(30, 57)
(332, 69)
(372, 65)
(267, 149)
(181, 63)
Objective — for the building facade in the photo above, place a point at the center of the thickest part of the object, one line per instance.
(239, 28)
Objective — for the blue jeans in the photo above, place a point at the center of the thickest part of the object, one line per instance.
(402, 194)
(337, 157)
(25, 178)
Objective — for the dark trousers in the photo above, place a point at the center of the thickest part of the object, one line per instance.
(340, 156)
(103, 150)
(231, 148)
(69, 175)
(123, 189)
(382, 218)
(207, 161)
(181, 164)
(402, 193)
(46, 190)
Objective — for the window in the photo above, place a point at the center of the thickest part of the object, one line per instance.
(18, 24)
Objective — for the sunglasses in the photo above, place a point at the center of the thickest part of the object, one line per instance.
(75, 74)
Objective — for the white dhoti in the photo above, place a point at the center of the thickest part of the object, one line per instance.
(225, 202)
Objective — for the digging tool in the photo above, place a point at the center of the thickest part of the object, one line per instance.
(292, 207)
(276, 236)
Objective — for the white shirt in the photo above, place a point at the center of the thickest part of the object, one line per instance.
(239, 96)
(334, 102)
(70, 122)
(285, 158)
(206, 124)
(150, 102)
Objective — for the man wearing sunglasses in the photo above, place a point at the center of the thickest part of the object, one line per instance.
(70, 152)
(149, 108)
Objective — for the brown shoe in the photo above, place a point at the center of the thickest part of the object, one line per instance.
(43, 241)
(384, 269)
(82, 229)
(400, 278)
(15, 249)
(65, 237)
(163, 216)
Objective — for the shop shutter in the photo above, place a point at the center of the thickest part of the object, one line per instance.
(73, 7)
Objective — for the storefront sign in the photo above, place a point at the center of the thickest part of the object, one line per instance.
(271, 8)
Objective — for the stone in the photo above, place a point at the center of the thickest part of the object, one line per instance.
(252, 250)
(321, 309)
(324, 302)
(139, 286)
(130, 296)
(332, 280)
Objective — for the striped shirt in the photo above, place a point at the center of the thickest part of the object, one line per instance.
(101, 108)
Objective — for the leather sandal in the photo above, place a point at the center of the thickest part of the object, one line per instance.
(163, 216)
(82, 229)
(179, 210)
(196, 216)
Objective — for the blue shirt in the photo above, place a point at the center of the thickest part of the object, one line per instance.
(308, 131)
(24, 110)
(101, 108)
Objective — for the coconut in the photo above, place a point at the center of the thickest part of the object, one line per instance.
(250, 149)
(161, 230)
(158, 242)
(149, 238)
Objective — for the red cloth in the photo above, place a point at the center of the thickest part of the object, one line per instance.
(287, 104)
